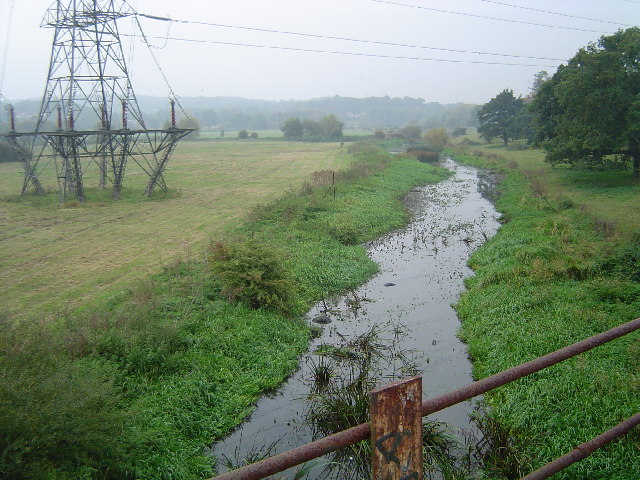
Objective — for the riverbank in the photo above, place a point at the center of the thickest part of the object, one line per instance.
(141, 387)
(564, 266)
(404, 315)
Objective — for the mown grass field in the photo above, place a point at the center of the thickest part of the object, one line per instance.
(564, 266)
(53, 257)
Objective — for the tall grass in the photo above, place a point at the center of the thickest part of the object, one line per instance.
(558, 272)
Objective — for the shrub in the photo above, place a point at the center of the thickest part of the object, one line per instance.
(251, 272)
(426, 156)
(242, 134)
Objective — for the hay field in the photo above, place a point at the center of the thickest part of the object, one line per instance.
(54, 257)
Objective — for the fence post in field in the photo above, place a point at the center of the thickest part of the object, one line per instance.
(396, 430)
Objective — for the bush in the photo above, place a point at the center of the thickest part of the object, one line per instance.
(252, 273)
(425, 156)
(242, 134)
(8, 153)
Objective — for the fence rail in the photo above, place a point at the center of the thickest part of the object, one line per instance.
(323, 446)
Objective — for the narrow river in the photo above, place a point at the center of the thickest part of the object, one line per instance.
(422, 270)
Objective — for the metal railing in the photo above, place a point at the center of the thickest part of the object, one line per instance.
(323, 446)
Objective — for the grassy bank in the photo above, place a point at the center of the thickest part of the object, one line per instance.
(564, 266)
(141, 387)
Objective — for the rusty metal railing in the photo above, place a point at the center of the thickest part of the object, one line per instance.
(583, 451)
(323, 446)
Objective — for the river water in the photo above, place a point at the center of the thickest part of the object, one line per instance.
(422, 270)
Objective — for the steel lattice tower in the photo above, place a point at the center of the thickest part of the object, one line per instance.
(89, 114)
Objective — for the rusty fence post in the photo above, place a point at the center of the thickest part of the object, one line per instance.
(396, 430)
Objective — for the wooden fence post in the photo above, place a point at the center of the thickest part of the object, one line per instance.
(396, 430)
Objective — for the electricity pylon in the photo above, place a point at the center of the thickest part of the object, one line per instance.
(89, 114)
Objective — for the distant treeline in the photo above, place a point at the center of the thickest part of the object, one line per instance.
(233, 113)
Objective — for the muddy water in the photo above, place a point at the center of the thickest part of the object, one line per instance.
(422, 269)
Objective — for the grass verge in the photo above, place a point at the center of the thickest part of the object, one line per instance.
(564, 266)
(140, 388)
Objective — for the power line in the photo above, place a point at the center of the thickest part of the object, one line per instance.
(523, 22)
(155, 59)
(6, 48)
(556, 13)
(329, 37)
(358, 54)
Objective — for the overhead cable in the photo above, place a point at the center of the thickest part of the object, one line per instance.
(6, 48)
(523, 22)
(556, 13)
(330, 37)
(155, 59)
(358, 54)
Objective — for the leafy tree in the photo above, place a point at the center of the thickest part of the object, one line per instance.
(312, 129)
(539, 79)
(243, 134)
(498, 117)
(332, 127)
(412, 131)
(589, 111)
(436, 138)
(292, 128)
(8, 153)
(187, 122)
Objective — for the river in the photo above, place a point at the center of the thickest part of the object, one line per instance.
(422, 272)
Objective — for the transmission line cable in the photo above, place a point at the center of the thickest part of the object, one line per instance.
(358, 54)
(329, 37)
(555, 13)
(508, 20)
(155, 59)
(6, 48)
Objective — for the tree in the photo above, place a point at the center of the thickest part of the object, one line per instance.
(332, 127)
(589, 111)
(411, 131)
(292, 128)
(539, 79)
(190, 122)
(499, 117)
(312, 129)
(436, 138)
(243, 134)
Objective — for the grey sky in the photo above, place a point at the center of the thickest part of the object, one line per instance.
(210, 69)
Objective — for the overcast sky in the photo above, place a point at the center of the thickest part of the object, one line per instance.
(206, 68)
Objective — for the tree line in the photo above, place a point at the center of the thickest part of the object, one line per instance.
(329, 128)
(586, 114)
(231, 113)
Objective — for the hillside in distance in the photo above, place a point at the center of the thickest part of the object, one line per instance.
(234, 113)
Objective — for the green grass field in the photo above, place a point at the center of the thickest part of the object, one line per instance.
(564, 266)
(52, 257)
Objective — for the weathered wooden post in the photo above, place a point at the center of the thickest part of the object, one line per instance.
(396, 430)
